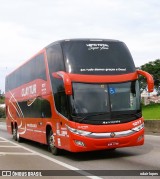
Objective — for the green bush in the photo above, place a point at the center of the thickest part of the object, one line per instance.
(2, 113)
(2, 98)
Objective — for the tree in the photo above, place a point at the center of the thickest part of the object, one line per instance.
(154, 69)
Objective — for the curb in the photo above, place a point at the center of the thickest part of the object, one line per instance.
(152, 126)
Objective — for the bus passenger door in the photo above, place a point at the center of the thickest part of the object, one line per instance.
(62, 107)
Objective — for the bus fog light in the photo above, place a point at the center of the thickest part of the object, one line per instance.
(79, 143)
(140, 138)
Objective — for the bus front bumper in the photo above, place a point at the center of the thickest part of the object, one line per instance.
(82, 141)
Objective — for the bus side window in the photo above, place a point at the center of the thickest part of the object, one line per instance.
(61, 103)
(45, 109)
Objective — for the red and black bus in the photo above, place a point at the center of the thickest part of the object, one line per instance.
(78, 95)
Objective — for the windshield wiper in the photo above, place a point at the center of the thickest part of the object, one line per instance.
(76, 116)
(90, 115)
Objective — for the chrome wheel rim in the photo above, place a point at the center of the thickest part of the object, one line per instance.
(51, 142)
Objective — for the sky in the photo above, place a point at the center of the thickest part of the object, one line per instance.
(27, 26)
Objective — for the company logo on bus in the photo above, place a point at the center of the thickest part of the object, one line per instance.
(112, 135)
(29, 90)
(97, 46)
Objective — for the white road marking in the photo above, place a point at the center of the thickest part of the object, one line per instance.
(16, 153)
(70, 167)
(9, 146)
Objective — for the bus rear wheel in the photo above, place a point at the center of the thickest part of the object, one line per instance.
(16, 136)
(51, 144)
(14, 133)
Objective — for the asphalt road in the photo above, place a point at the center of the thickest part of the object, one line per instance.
(33, 156)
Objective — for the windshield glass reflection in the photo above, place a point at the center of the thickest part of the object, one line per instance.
(105, 98)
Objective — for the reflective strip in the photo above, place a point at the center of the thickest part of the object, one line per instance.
(117, 134)
(111, 134)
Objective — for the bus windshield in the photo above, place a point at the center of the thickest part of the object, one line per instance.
(97, 57)
(106, 100)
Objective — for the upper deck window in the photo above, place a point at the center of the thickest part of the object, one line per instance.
(97, 57)
(32, 70)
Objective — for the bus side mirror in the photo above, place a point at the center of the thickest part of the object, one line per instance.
(149, 78)
(66, 80)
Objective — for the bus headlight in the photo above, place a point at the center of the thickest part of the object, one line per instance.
(138, 128)
(78, 132)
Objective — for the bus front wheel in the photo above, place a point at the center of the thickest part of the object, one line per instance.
(51, 144)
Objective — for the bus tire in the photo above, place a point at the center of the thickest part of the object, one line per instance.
(51, 143)
(16, 136)
(19, 139)
(14, 133)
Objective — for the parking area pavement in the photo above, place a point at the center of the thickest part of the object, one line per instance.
(19, 160)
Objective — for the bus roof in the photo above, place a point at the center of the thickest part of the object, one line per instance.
(61, 41)
(82, 39)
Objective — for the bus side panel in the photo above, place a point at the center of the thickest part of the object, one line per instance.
(29, 98)
(62, 134)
